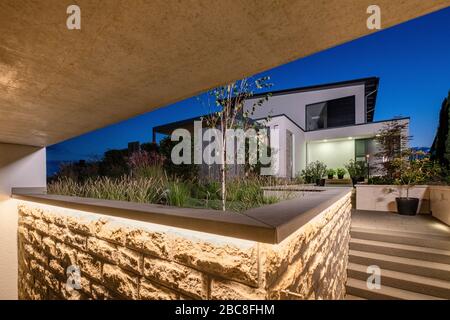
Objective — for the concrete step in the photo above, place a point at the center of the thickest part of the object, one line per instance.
(407, 238)
(401, 250)
(359, 288)
(400, 280)
(406, 265)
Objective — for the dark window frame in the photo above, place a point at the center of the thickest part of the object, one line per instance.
(326, 101)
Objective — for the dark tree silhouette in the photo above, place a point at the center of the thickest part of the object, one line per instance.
(440, 150)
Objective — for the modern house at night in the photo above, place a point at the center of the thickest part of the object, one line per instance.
(147, 235)
(332, 123)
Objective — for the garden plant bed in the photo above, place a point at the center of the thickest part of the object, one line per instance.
(242, 194)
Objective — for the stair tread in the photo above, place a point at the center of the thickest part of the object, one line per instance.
(404, 276)
(417, 235)
(400, 246)
(389, 291)
(410, 261)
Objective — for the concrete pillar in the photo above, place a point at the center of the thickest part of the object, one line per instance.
(20, 166)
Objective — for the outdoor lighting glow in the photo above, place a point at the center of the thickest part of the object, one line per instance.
(350, 138)
(325, 140)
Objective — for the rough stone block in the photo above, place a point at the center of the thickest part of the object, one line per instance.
(228, 261)
(36, 253)
(152, 291)
(185, 279)
(66, 254)
(120, 281)
(57, 232)
(39, 291)
(100, 292)
(89, 266)
(153, 243)
(230, 290)
(35, 212)
(22, 233)
(49, 246)
(130, 260)
(112, 232)
(79, 225)
(75, 240)
(37, 270)
(27, 221)
(55, 266)
(72, 294)
(102, 249)
(41, 226)
(35, 238)
(51, 281)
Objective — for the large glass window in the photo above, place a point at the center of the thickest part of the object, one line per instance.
(330, 114)
(364, 147)
(361, 149)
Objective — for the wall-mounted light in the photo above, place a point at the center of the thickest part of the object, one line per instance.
(325, 140)
(350, 138)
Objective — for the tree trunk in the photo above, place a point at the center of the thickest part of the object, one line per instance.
(223, 158)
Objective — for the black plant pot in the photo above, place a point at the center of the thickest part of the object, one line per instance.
(330, 177)
(340, 177)
(320, 182)
(407, 206)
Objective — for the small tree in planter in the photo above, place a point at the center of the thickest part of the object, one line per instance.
(340, 173)
(314, 172)
(356, 170)
(392, 141)
(409, 171)
(331, 173)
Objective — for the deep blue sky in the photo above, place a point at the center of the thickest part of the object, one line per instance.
(411, 59)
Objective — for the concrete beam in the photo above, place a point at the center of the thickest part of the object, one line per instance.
(131, 57)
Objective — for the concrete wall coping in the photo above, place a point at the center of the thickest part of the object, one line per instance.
(392, 185)
(431, 186)
(268, 224)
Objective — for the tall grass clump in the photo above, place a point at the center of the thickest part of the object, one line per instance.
(151, 185)
(177, 194)
(248, 192)
(150, 190)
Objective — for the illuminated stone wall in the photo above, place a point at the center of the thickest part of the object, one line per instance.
(121, 258)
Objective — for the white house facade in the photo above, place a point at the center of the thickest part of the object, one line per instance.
(332, 123)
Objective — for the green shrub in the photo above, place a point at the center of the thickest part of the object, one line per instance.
(313, 171)
(356, 169)
(331, 172)
(206, 191)
(340, 172)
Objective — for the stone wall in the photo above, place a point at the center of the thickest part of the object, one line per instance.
(127, 259)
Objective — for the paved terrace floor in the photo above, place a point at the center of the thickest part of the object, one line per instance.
(422, 223)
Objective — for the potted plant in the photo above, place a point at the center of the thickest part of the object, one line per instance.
(356, 170)
(410, 170)
(314, 172)
(331, 173)
(340, 173)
